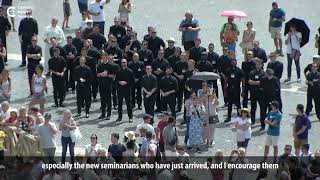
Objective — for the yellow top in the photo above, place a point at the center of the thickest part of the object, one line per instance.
(2, 135)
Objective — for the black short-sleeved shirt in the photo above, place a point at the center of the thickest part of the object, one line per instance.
(57, 64)
(62, 53)
(136, 46)
(85, 73)
(146, 56)
(234, 76)
(98, 40)
(309, 68)
(277, 67)
(86, 32)
(137, 68)
(149, 82)
(173, 60)
(116, 52)
(34, 50)
(270, 87)
(162, 64)
(78, 43)
(213, 58)
(195, 53)
(168, 83)
(154, 45)
(89, 62)
(180, 67)
(28, 27)
(70, 49)
(224, 64)
(315, 78)
(95, 54)
(256, 76)
(116, 151)
(125, 75)
(260, 53)
(247, 67)
(168, 52)
(108, 67)
(204, 66)
(118, 31)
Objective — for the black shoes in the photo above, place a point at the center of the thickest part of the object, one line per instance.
(87, 115)
(102, 116)
(262, 129)
(62, 105)
(227, 120)
(78, 115)
(108, 118)
(22, 65)
(130, 121)
(119, 119)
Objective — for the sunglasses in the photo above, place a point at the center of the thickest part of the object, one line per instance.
(114, 41)
(33, 40)
(93, 138)
(251, 54)
(145, 44)
(154, 32)
(170, 42)
(123, 62)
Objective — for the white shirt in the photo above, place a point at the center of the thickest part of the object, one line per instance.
(97, 8)
(54, 32)
(293, 42)
(47, 137)
(92, 153)
(143, 126)
(83, 24)
(242, 135)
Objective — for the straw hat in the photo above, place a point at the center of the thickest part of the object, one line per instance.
(130, 135)
(245, 110)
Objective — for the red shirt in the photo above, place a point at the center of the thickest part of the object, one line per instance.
(11, 120)
(161, 125)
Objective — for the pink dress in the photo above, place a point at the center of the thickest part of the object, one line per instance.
(208, 130)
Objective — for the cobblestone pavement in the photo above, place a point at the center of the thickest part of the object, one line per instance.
(166, 15)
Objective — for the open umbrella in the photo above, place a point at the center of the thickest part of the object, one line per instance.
(234, 13)
(301, 26)
(205, 76)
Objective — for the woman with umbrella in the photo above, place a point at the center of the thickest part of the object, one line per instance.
(293, 40)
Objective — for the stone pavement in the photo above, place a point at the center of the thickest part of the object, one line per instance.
(166, 16)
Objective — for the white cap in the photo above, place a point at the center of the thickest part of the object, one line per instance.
(171, 39)
(316, 56)
(89, 21)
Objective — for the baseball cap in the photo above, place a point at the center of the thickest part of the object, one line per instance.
(47, 116)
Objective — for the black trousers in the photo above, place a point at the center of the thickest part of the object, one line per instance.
(31, 71)
(234, 99)
(158, 100)
(296, 62)
(70, 83)
(136, 94)
(24, 46)
(149, 105)
(179, 95)
(58, 89)
(246, 96)
(124, 93)
(313, 95)
(105, 97)
(257, 97)
(114, 94)
(225, 98)
(171, 101)
(188, 45)
(83, 96)
(94, 85)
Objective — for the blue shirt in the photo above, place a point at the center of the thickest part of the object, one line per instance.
(276, 13)
(274, 116)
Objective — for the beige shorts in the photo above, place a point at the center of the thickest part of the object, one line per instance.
(272, 140)
(275, 32)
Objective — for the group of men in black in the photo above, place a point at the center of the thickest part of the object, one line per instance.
(149, 72)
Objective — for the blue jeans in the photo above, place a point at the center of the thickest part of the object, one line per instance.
(83, 5)
(186, 136)
(65, 141)
(231, 46)
(101, 26)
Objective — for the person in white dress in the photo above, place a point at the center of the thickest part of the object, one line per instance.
(124, 10)
(52, 30)
(38, 86)
(92, 148)
(243, 126)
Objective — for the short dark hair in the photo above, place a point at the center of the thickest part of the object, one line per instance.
(171, 119)
(149, 135)
(115, 135)
(307, 146)
(94, 135)
(211, 44)
(69, 37)
(275, 104)
(40, 67)
(300, 107)
(274, 3)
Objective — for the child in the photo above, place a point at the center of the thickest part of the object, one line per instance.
(67, 13)
(83, 22)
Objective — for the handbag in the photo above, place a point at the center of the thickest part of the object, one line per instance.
(75, 135)
(213, 119)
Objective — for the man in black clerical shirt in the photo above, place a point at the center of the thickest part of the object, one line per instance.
(5, 27)
(155, 43)
(124, 81)
(113, 48)
(145, 54)
(78, 42)
(117, 30)
(137, 68)
(57, 67)
(179, 69)
(28, 28)
(169, 51)
(98, 40)
(195, 52)
(71, 53)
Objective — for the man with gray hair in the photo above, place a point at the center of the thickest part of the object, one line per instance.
(190, 31)
(46, 133)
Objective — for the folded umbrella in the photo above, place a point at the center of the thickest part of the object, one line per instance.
(301, 26)
(205, 76)
(234, 13)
